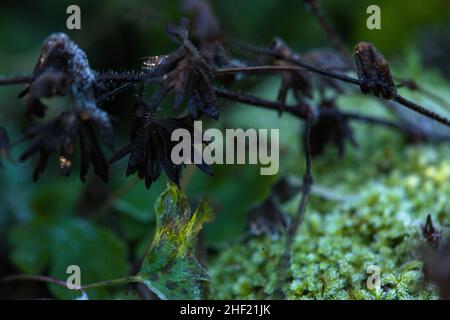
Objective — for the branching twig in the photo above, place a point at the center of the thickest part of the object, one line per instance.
(278, 55)
(412, 85)
(299, 111)
(419, 109)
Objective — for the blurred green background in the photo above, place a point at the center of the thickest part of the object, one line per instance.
(112, 224)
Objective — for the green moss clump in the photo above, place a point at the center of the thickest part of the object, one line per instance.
(389, 189)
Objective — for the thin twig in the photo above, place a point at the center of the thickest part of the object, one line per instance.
(255, 101)
(402, 100)
(112, 282)
(419, 109)
(331, 33)
(16, 80)
(299, 111)
(40, 278)
(31, 277)
(114, 92)
(412, 85)
(278, 55)
(131, 78)
(285, 259)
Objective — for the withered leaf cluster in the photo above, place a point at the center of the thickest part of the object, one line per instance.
(208, 35)
(60, 136)
(298, 82)
(330, 127)
(150, 146)
(63, 69)
(187, 73)
(268, 218)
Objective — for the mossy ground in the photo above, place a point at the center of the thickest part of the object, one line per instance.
(385, 190)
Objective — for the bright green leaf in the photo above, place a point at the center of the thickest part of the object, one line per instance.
(170, 268)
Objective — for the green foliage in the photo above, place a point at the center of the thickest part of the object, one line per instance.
(388, 187)
(170, 268)
(55, 243)
(388, 192)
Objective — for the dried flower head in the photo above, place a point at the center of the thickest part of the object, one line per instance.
(299, 82)
(151, 146)
(208, 34)
(267, 219)
(63, 69)
(59, 136)
(330, 127)
(187, 73)
(430, 233)
(373, 71)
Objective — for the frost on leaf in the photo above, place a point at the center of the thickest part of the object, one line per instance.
(63, 69)
(170, 268)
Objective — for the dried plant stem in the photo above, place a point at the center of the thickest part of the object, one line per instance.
(61, 283)
(127, 78)
(338, 44)
(402, 100)
(419, 109)
(331, 33)
(285, 259)
(39, 278)
(16, 80)
(115, 92)
(113, 282)
(433, 96)
(297, 61)
(299, 110)
(255, 101)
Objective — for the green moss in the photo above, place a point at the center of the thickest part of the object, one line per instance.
(389, 189)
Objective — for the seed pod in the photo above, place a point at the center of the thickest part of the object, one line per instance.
(373, 71)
